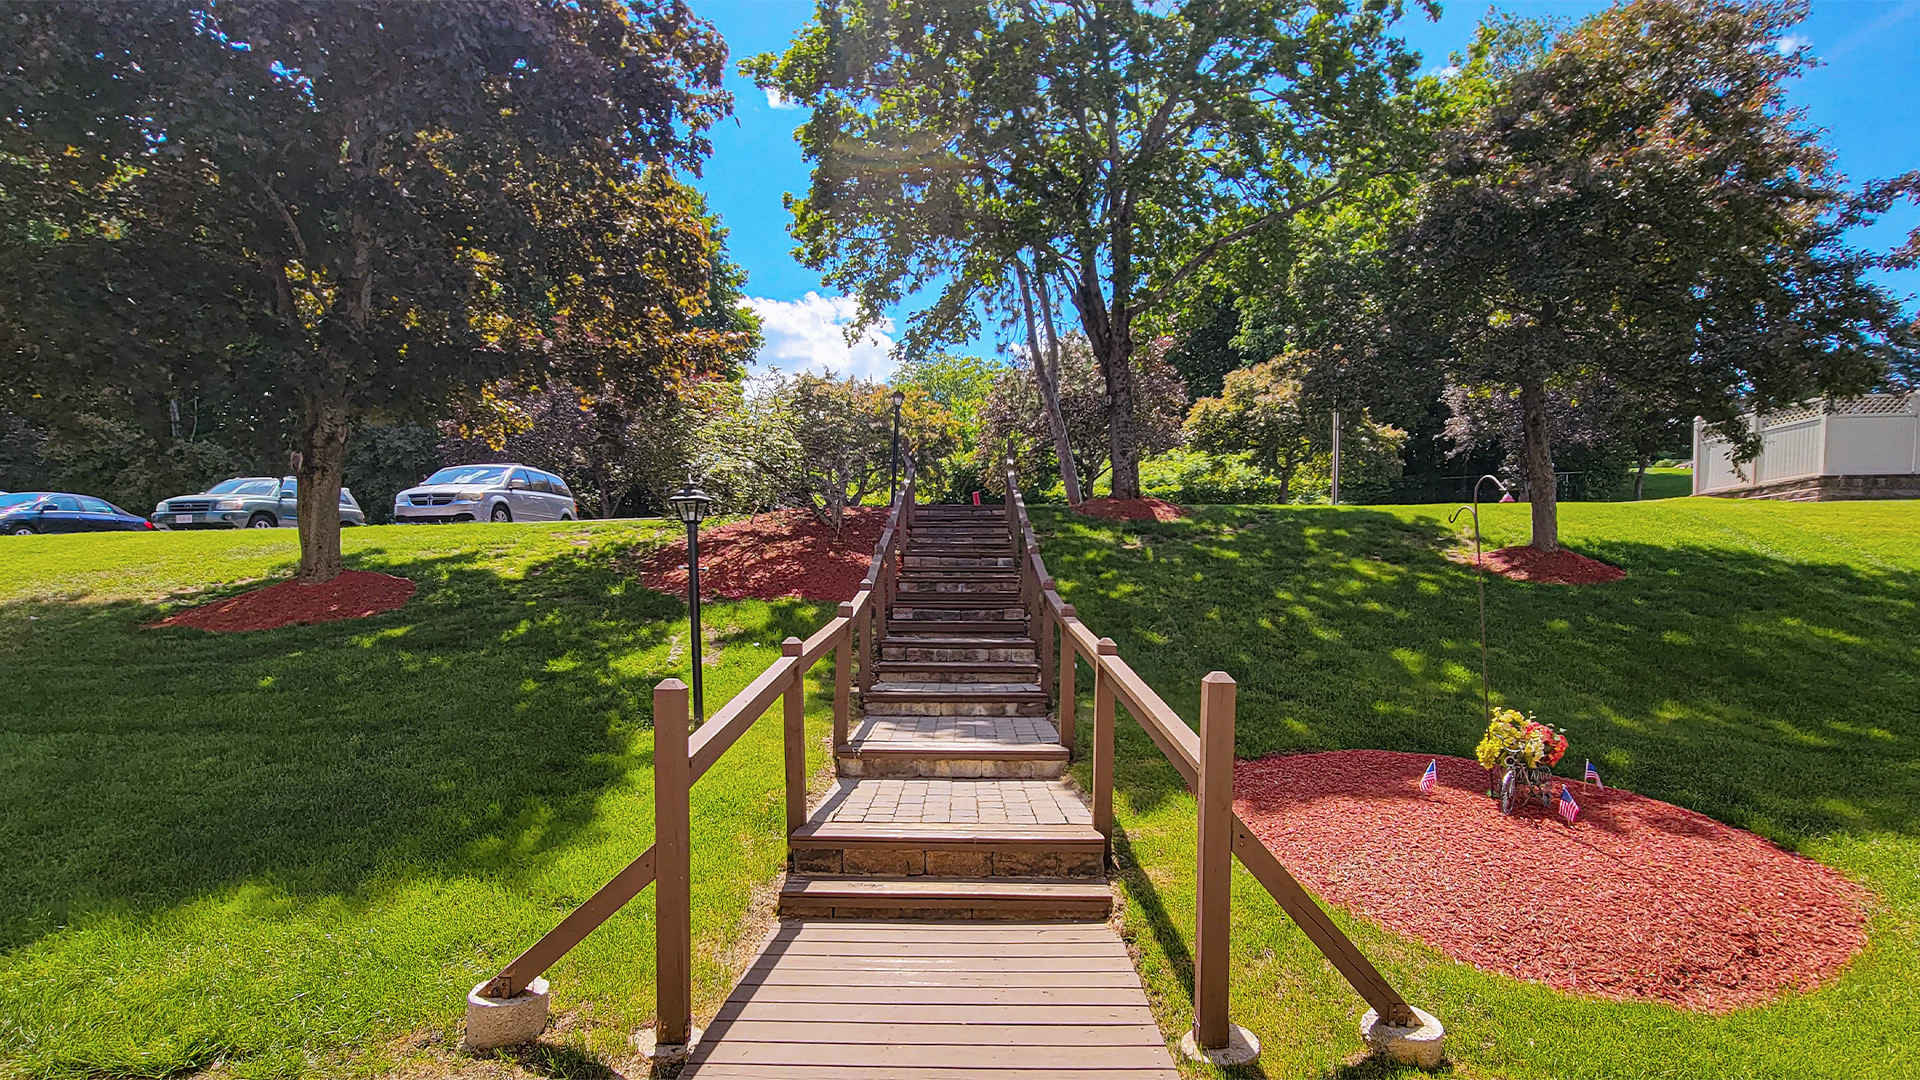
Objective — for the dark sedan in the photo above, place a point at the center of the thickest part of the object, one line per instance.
(24, 513)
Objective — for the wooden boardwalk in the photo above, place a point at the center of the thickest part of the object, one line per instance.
(936, 1001)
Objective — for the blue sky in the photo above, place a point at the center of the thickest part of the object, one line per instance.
(1865, 95)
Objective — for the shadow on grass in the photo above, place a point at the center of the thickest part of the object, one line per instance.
(1771, 693)
(476, 728)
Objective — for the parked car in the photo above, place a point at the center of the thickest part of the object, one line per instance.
(24, 513)
(246, 502)
(507, 492)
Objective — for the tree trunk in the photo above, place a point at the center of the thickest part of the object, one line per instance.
(323, 462)
(1542, 496)
(1046, 369)
(1640, 480)
(1123, 448)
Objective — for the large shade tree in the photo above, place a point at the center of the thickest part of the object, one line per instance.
(1112, 148)
(1637, 207)
(351, 208)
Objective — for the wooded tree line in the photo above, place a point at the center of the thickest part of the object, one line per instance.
(373, 233)
(1574, 240)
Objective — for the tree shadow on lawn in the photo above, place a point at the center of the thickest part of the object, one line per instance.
(1773, 694)
(474, 730)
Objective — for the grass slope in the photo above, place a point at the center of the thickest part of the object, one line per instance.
(1757, 664)
(292, 851)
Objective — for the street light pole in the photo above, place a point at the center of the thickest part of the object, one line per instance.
(893, 465)
(690, 505)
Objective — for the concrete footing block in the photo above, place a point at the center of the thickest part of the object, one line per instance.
(1421, 1044)
(496, 1022)
(665, 1056)
(1241, 1049)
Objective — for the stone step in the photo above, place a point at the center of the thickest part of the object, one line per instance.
(966, 627)
(958, 647)
(840, 897)
(918, 548)
(919, 611)
(1064, 852)
(927, 564)
(958, 671)
(953, 747)
(955, 699)
(1007, 586)
(905, 602)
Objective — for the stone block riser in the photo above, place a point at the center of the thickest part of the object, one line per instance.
(973, 861)
(895, 707)
(956, 652)
(900, 767)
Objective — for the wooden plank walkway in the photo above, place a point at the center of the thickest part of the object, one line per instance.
(936, 1001)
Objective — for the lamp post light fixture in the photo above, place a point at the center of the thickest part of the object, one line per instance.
(690, 505)
(893, 466)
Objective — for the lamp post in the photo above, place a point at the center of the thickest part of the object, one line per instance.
(893, 466)
(690, 505)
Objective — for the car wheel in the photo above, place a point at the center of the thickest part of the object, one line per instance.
(22, 530)
(566, 517)
(262, 520)
(501, 513)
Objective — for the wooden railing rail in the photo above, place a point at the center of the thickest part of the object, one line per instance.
(1204, 760)
(681, 756)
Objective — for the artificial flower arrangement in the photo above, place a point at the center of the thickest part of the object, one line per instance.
(1520, 739)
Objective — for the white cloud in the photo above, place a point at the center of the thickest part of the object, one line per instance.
(778, 100)
(809, 334)
(1791, 43)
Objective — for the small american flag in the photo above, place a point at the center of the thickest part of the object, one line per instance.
(1430, 777)
(1568, 808)
(1593, 777)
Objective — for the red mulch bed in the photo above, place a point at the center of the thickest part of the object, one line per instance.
(1148, 509)
(1638, 900)
(354, 594)
(782, 554)
(1561, 567)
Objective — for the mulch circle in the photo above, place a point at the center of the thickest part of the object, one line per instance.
(1147, 509)
(1637, 900)
(1560, 567)
(787, 553)
(353, 594)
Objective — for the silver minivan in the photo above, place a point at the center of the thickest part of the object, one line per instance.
(509, 492)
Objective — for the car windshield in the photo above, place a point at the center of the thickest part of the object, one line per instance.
(241, 485)
(21, 498)
(468, 474)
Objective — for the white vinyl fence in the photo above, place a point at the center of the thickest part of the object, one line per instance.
(1876, 435)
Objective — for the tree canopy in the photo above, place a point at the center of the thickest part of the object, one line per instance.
(349, 209)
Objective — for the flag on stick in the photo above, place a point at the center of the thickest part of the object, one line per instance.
(1430, 777)
(1568, 808)
(1593, 777)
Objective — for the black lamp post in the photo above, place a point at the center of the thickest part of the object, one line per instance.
(690, 505)
(1480, 582)
(893, 468)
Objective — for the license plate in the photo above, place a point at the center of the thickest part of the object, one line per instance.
(183, 519)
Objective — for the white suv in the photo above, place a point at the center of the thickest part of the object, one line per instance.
(487, 493)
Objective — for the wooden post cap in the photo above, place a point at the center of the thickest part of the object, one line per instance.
(1217, 677)
(793, 645)
(1066, 611)
(1106, 647)
(846, 610)
(1046, 583)
(670, 684)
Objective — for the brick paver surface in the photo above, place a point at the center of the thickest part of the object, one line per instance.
(984, 802)
(1020, 730)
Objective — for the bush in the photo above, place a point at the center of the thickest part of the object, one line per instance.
(1193, 476)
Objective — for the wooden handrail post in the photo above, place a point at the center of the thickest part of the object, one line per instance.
(1215, 797)
(794, 716)
(871, 632)
(1043, 616)
(1064, 716)
(672, 890)
(843, 677)
(1103, 741)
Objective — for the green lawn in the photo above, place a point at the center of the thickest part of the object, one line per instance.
(293, 852)
(1760, 663)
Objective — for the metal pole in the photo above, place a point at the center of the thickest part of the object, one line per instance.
(693, 608)
(1480, 585)
(893, 467)
(1336, 457)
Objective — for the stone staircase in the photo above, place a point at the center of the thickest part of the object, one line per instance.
(949, 802)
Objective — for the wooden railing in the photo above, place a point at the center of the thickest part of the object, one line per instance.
(681, 758)
(1204, 759)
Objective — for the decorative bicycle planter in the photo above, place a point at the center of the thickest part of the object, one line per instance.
(1519, 753)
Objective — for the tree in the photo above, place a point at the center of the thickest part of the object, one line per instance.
(960, 385)
(1113, 148)
(843, 430)
(1638, 208)
(1015, 409)
(1263, 413)
(352, 209)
